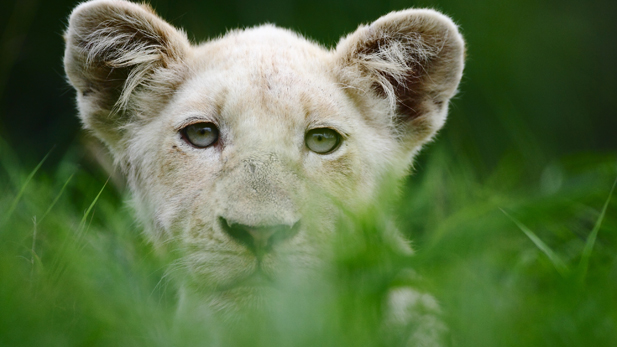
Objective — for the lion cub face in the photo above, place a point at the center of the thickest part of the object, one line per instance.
(253, 146)
(240, 151)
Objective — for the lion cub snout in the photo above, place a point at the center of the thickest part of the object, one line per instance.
(259, 239)
(264, 211)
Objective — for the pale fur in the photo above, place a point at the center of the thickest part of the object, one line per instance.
(385, 88)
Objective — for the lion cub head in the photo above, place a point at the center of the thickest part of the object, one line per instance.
(242, 150)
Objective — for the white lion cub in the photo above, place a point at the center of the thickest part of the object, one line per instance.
(227, 145)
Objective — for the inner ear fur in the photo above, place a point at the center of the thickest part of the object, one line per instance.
(413, 59)
(114, 49)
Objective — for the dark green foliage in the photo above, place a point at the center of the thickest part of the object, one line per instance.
(74, 269)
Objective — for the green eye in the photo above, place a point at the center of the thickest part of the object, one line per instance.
(322, 140)
(200, 135)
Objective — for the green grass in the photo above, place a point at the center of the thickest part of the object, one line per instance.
(514, 260)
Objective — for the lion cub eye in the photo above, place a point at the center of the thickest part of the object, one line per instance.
(200, 135)
(322, 140)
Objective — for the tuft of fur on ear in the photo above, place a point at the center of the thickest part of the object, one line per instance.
(414, 60)
(114, 48)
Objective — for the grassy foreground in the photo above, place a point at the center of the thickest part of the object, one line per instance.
(513, 260)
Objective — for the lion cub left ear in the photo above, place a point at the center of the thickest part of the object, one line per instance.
(114, 49)
(412, 59)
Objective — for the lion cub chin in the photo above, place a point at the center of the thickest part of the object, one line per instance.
(241, 152)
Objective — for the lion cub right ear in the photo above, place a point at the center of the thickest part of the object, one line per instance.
(414, 59)
(116, 51)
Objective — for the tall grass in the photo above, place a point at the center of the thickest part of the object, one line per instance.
(513, 260)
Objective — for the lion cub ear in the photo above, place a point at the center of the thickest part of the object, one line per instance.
(116, 49)
(414, 60)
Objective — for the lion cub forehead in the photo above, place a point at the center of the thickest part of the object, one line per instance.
(261, 71)
(264, 45)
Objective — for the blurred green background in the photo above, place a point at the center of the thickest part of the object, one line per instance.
(533, 133)
(539, 80)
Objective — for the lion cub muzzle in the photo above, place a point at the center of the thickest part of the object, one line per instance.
(263, 212)
(259, 239)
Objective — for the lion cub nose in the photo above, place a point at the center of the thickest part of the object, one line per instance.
(259, 239)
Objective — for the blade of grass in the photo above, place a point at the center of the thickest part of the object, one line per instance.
(57, 197)
(57, 266)
(22, 190)
(33, 250)
(591, 239)
(561, 267)
(85, 217)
